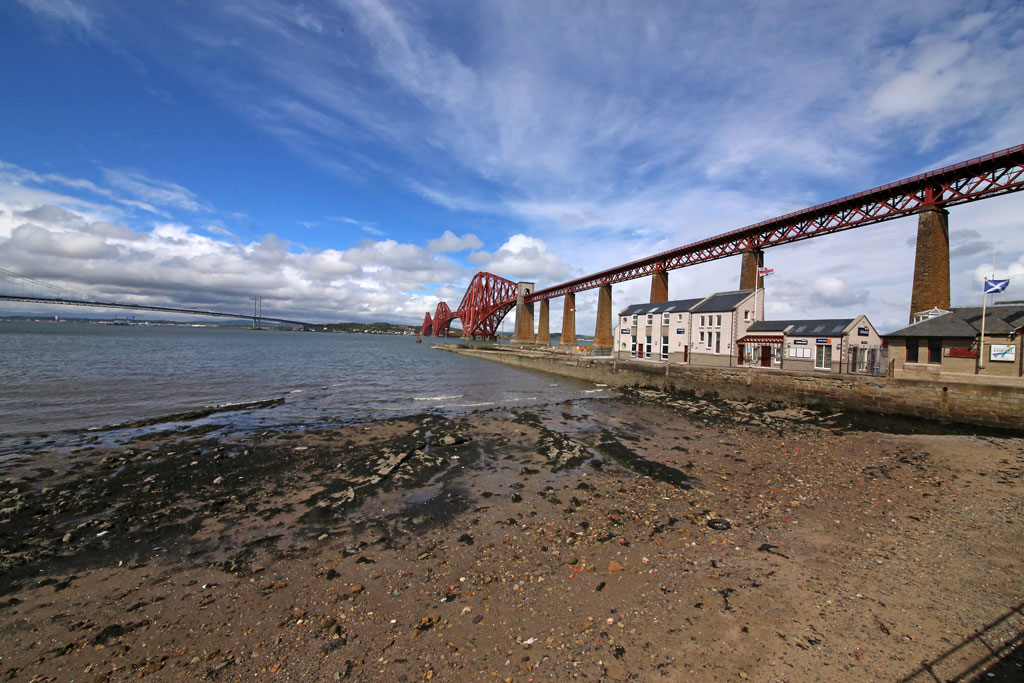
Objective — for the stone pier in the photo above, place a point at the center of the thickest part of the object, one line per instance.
(931, 262)
(543, 329)
(569, 320)
(603, 342)
(753, 259)
(659, 286)
(524, 315)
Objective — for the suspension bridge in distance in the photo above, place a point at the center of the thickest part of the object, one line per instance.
(59, 296)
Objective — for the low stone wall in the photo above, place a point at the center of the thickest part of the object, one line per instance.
(947, 401)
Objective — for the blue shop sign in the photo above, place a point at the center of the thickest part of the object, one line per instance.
(863, 332)
(625, 330)
(800, 341)
(680, 331)
(822, 341)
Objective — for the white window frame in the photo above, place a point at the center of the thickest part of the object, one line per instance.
(702, 321)
(635, 317)
(666, 319)
(649, 346)
(701, 337)
(719, 323)
(664, 346)
(650, 318)
(632, 347)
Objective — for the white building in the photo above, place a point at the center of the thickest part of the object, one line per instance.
(834, 345)
(697, 331)
(658, 331)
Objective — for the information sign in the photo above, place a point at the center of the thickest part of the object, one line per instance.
(1003, 352)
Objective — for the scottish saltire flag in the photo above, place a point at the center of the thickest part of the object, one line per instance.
(995, 286)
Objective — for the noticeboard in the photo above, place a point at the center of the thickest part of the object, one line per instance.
(1003, 352)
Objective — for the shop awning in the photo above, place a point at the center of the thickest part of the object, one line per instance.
(760, 339)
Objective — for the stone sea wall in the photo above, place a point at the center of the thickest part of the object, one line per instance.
(946, 400)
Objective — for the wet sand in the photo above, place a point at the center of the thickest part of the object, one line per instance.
(644, 537)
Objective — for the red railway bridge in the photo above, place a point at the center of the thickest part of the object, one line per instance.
(490, 297)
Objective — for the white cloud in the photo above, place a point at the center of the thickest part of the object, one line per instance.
(60, 240)
(64, 12)
(449, 241)
(154, 192)
(29, 238)
(523, 258)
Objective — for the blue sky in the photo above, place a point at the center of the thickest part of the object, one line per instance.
(361, 160)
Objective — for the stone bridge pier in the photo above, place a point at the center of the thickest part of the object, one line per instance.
(753, 260)
(524, 315)
(931, 262)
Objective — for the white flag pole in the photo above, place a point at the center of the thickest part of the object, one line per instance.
(984, 305)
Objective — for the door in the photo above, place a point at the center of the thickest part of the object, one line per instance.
(766, 356)
(739, 353)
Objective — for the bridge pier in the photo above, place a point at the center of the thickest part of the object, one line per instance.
(603, 342)
(753, 259)
(659, 287)
(524, 315)
(931, 262)
(569, 320)
(543, 328)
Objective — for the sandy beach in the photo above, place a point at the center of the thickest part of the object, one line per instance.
(640, 537)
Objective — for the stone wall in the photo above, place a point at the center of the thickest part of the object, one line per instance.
(946, 401)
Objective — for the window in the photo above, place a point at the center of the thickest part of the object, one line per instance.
(719, 323)
(823, 357)
(680, 318)
(650, 318)
(632, 347)
(701, 337)
(746, 316)
(911, 350)
(934, 350)
(718, 341)
(664, 347)
(710, 336)
(702, 321)
(666, 319)
(799, 352)
(648, 350)
(634, 319)
(777, 353)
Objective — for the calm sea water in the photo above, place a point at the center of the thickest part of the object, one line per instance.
(60, 378)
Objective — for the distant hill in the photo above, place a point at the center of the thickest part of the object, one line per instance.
(370, 328)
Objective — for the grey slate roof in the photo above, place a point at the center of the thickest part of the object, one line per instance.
(965, 322)
(678, 306)
(831, 327)
(721, 302)
(770, 325)
(819, 328)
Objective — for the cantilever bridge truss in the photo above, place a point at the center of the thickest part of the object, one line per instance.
(487, 301)
(979, 178)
